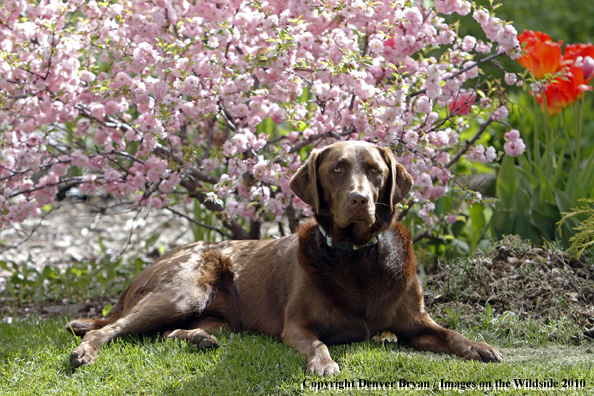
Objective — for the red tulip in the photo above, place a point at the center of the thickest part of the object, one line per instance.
(563, 92)
(461, 106)
(582, 56)
(542, 54)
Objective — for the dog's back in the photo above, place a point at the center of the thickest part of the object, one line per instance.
(243, 282)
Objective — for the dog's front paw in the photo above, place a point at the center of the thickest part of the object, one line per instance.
(483, 353)
(83, 354)
(322, 367)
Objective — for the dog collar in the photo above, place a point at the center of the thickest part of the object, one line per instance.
(345, 245)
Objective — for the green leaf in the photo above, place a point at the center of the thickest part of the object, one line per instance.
(106, 309)
(478, 223)
(545, 185)
(528, 175)
(507, 182)
(544, 223)
(563, 201)
(573, 189)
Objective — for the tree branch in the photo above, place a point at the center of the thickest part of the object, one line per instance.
(470, 142)
(478, 62)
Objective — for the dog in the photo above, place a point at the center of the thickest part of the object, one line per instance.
(345, 275)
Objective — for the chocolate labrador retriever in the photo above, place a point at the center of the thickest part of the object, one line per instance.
(344, 276)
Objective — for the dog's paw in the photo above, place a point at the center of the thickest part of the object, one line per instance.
(204, 342)
(84, 354)
(322, 367)
(483, 353)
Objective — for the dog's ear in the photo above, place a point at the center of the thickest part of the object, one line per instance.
(305, 182)
(399, 182)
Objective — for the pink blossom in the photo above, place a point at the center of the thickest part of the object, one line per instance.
(241, 142)
(424, 180)
(87, 76)
(97, 110)
(79, 159)
(34, 140)
(112, 107)
(376, 46)
(155, 167)
(28, 126)
(490, 154)
(111, 175)
(512, 135)
(145, 55)
(511, 78)
(411, 137)
(60, 168)
(240, 110)
(481, 16)
(306, 39)
(483, 47)
(157, 203)
(514, 148)
(500, 114)
(169, 184)
(97, 163)
(188, 80)
(122, 79)
(477, 154)
(448, 6)
(278, 116)
(424, 105)
(468, 43)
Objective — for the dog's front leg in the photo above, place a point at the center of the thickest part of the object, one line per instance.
(429, 336)
(316, 352)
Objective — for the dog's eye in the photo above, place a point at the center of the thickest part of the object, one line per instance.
(337, 170)
(374, 170)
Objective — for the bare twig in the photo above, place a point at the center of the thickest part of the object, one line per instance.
(199, 223)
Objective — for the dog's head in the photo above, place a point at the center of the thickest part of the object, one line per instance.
(353, 185)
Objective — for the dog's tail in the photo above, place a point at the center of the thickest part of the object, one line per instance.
(80, 327)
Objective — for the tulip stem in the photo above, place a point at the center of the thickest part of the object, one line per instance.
(573, 159)
(578, 122)
(536, 146)
(545, 125)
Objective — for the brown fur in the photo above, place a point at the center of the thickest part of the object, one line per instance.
(296, 287)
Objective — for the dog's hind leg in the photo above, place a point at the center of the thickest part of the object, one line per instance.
(198, 333)
(157, 309)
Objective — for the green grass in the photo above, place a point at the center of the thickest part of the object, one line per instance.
(34, 361)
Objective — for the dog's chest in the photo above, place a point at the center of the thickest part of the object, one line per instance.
(357, 308)
(360, 288)
(359, 292)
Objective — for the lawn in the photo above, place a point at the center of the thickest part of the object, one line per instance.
(536, 321)
(34, 361)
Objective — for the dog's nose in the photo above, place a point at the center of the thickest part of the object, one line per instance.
(358, 199)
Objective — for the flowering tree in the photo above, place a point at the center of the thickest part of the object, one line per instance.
(222, 101)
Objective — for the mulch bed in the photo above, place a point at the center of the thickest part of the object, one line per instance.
(533, 282)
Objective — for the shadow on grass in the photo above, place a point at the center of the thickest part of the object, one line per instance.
(258, 364)
(244, 364)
